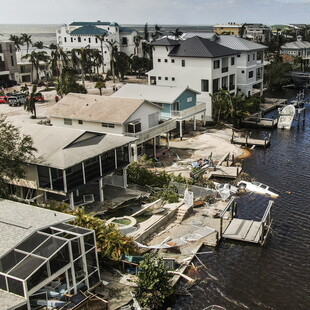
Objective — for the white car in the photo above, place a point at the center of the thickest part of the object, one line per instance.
(257, 187)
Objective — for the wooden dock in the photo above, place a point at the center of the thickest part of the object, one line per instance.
(224, 172)
(249, 230)
(260, 122)
(248, 141)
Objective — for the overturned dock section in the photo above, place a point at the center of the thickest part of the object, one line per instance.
(248, 230)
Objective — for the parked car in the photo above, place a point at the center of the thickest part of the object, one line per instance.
(16, 100)
(3, 99)
(7, 83)
(38, 97)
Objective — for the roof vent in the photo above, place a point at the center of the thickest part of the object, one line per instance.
(299, 38)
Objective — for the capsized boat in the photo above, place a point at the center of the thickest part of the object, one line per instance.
(286, 117)
(256, 187)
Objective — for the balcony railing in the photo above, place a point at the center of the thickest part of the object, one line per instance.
(189, 112)
(225, 69)
(154, 131)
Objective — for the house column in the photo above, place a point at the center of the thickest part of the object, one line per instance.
(168, 145)
(45, 197)
(65, 180)
(51, 178)
(135, 152)
(115, 156)
(125, 177)
(101, 194)
(181, 131)
(71, 198)
(204, 118)
(195, 125)
(100, 165)
(83, 171)
(154, 146)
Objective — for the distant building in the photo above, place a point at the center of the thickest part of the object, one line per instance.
(8, 64)
(257, 32)
(42, 258)
(198, 63)
(82, 34)
(227, 29)
(298, 48)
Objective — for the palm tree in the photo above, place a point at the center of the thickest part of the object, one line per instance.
(59, 59)
(17, 41)
(100, 85)
(53, 46)
(26, 39)
(101, 39)
(97, 60)
(146, 33)
(222, 105)
(39, 45)
(33, 59)
(242, 30)
(177, 34)
(137, 40)
(158, 32)
(30, 104)
(113, 51)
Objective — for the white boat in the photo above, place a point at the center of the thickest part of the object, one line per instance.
(286, 117)
(256, 187)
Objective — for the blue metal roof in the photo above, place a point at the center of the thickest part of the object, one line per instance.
(126, 29)
(89, 23)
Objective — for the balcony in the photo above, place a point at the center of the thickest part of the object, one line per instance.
(258, 77)
(153, 131)
(200, 108)
(225, 69)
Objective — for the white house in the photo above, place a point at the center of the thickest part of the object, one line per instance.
(298, 48)
(198, 63)
(81, 34)
(137, 118)
(8, 62)
(42, 257)
(249, 61)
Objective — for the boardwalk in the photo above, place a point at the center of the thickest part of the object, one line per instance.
(247, 141)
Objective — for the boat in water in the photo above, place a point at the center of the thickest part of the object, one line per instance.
(286, 117)
(257, 187)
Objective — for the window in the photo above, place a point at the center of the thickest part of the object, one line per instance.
(204, 85)
(96, 40)
(176, 106)
(216, 64)
(248, 57)
(183, 63)
(134, 127)
(12, 61)
(80, 122)
(166, 78)
(89, 40)
(239, 56)
(1, 48)
(65, 39)
(166, 60)
(216, 85)
(159, 60)
(71, 40)
(232, 61)
(225, 82)
(253, 56)
(242, 71)
(225, 64)
(79, 39)
(251, 74)
(108, 125)
(124, 41)
(67, 121)
(11, 49)
(231, 82)
(173, 79)
(159, 78)
(172, 61)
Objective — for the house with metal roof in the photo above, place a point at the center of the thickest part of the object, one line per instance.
(67, 161)
(297, 48)
(178, 102)
(198, 63)
(122, 117)
(81, 34)
(42, 257)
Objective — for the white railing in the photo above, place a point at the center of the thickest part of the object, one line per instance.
(189, 112)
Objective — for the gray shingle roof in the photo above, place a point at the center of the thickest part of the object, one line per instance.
(296, 45)
(18, 221)
(202, 48)
(165, 42)
(88, 30)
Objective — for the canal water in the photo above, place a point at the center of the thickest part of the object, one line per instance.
(276, 276)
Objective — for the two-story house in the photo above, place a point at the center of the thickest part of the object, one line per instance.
(198, 63)
(8, 63)
(137, 118)
(81, 34)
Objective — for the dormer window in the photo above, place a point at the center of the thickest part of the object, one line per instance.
(134, 127)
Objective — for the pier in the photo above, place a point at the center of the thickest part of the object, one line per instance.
(246, 230)
(248, 141)
(260, 122)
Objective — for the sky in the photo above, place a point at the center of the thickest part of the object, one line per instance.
(190, 12)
